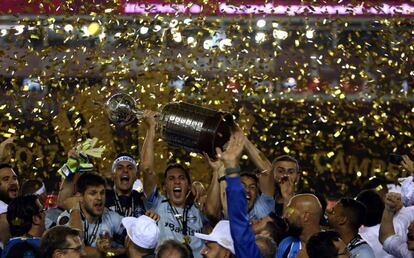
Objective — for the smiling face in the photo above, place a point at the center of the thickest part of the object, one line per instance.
(176, 186)
(124, 177)
(9, 186)
(250, 186)
(93, 200)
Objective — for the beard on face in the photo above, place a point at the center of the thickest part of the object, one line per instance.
(294, 230)
(90, 209)
(4, 196)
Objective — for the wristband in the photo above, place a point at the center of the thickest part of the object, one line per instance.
(229, 171)
(222, 178)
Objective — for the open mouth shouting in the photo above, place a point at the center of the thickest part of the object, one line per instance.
(177, 191)
(99, 207)
(125, 178)
(13, 191)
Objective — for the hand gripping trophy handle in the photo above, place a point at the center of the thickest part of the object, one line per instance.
(189, 126)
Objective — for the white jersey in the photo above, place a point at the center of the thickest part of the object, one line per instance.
(110, 223)
(171, 222)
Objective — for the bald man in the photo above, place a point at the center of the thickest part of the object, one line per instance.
(303, 213)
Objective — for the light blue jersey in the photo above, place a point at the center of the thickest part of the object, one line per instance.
(263, 205)
(170, 224)
(111, 223)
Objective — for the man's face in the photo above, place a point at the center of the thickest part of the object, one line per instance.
(125, 175)
(74, 249)
(410, 236)
(40, 218)
(93, 200)
(334, 215)
(176, 186)
(284, 169)
(292, 216)
(213, 250)
(250, 186)
(9, 186)
(342, 251)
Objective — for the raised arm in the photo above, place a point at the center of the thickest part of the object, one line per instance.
(241, 232)
(213, 206)
(147, 153)
(392, 205)
(266, 180)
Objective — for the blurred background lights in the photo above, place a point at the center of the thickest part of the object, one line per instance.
(224, 43)
(144, 30)
(191, 41)
(157, 28)
(309, 33)
(280, 34)
(68, 28)
(261, 23)
(260, 37)
(177, 37)
(94, 28)
(208, 43)
(19, 29)
(290, 82)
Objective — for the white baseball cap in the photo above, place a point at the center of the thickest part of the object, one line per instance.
(221, 235)
(143, 231)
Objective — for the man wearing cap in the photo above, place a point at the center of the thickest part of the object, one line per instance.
(142, 238)
(124, 199)
(219, 243)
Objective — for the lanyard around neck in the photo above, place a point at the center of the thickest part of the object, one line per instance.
(182, 219)
(124, 211)
(89, 239)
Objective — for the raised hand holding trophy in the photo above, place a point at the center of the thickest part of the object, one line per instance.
(189, 126)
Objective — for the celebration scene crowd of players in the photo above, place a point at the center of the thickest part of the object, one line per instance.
(260, 213)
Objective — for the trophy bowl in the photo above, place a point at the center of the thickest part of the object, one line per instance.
(184, 125)
(121, 109)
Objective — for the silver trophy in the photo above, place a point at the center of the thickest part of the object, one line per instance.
(181, 124)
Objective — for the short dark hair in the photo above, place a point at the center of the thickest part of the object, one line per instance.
(173, 244)
(266, 246)
(179, 166)
(55, 238)
(320, 245)
(355, 211)
(124, 154)
(24, 250)
(89, 179)
(5, 165)
(286, 158)
(251, 175)
(376, 183)
(277, 227)
(374, 207)
(20, 214)
(30, 186)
